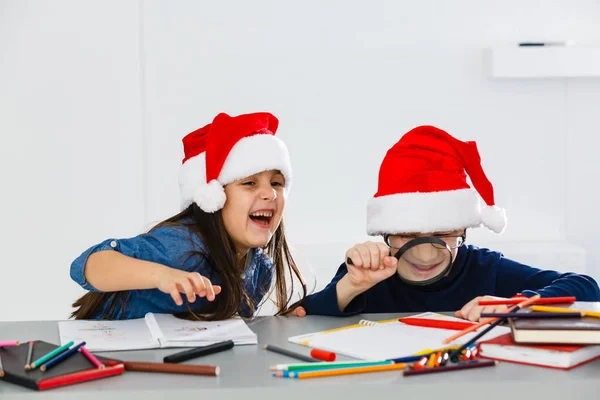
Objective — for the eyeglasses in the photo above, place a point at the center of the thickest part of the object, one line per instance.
(397, 241)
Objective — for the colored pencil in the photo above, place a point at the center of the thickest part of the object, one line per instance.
(325, 364)
(1, 368)
(457, 367)
(497, 322)
(286, 374)
(343, 371)
(50, 355)
(585, 313)
(29, 355)
(289, 353)
(81, 376)
(534, 315)
(408, 359)
(486, 321)
(91, 357)
(427, 352)
(172, 368)
(517, 300)
(10, 343)
(436, 323)
(60, 357)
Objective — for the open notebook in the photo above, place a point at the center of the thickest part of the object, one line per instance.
(383, 340)
(152, 332)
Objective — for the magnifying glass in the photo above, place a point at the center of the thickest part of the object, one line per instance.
(421, 261)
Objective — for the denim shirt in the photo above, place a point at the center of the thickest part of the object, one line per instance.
(171, 246)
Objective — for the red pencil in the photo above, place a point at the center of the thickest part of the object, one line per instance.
(485, 321)
(437, 323)
(517, 300)
(79, 377)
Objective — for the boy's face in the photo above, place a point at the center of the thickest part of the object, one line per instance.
(425, 261)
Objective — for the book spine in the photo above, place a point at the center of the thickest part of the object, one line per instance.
(79, 377)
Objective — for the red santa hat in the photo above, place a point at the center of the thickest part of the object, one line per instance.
(423, 187)
(228, 149)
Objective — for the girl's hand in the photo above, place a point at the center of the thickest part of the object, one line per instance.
(472, 311)
(174, 281)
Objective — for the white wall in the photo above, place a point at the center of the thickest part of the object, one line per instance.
(349, 79)
(71, 152)
(346, 79)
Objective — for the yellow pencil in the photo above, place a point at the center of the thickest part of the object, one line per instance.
(585, 313)
(429, 351)
(346, 371)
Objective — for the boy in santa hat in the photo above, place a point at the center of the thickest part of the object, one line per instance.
(422, 209)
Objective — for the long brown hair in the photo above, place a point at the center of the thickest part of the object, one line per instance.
(220, 252)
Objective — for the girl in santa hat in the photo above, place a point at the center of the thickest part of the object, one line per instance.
(422, 209)
(223, 252)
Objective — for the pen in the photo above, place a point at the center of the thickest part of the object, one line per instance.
(199, 352)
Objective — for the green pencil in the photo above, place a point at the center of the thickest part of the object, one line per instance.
(326, 365)
(50, 355)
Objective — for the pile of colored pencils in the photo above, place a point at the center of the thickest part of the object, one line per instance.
(432, 362)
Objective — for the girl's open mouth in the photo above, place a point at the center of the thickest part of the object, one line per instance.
(262, 218)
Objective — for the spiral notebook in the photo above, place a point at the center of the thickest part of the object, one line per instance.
(381, 340)
(154, 331)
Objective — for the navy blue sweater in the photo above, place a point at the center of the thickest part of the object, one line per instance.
(475, 272)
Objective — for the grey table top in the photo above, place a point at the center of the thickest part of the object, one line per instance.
(244, 372)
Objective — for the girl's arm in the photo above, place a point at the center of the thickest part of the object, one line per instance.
(162, 259)
(111, 271)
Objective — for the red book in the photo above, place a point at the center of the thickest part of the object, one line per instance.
(564, 357)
